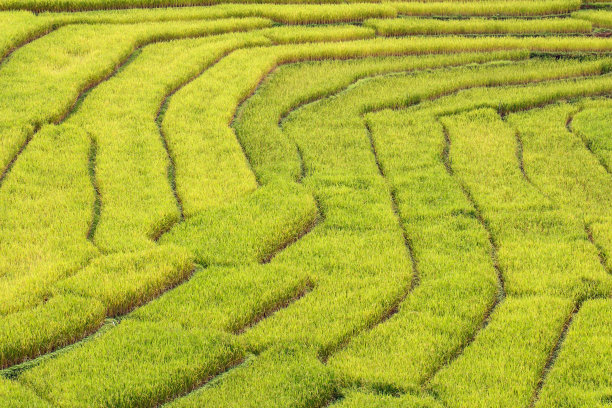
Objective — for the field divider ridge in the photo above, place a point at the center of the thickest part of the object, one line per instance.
(552, 358)
(97, 205)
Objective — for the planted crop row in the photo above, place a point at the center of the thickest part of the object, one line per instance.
(480, 353)
(590, 124)
(19, 27)
(377, 340)
(523, 311)
(73, 67)
(482, 150)
(487, 8)
(513, 7)
(281, 13)
(413, 26)
(599, 18)
(88, 116)
(62, 253)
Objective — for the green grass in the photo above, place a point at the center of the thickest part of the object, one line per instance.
(13, 395)
(532, 231)
(277, 204)
(519, 7)
(590, 125)
(487, 8)
(281, 13)
(229, 299)
(285, 377)
(568, 172)
(169, 360)
(124, 281)
(581, 375)
(61, 320)
(363, 399)
(44, 231)
(414, 26)
(599, 18)
(507, 357)
(457, 279)
(249, 230)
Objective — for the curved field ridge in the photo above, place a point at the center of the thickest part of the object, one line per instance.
(305, 204)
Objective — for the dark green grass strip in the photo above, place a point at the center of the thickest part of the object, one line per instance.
(97, 205)
(603, 258)
(171, 170)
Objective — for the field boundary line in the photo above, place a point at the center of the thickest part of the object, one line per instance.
(11, 163)
(22, 44)
(97, 204)
(275, 308)
(554, 354)
(603, 257)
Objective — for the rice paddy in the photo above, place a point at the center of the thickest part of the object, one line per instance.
(279, 203)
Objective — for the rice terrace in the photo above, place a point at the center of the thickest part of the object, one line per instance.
(306, 203)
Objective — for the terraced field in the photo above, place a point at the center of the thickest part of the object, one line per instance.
(387, 204)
